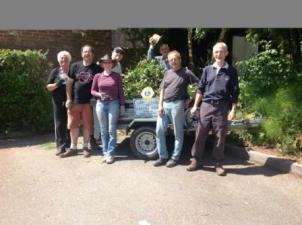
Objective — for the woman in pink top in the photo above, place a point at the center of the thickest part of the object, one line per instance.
(107, 87)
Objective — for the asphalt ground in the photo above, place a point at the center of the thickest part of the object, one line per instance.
(37, 187)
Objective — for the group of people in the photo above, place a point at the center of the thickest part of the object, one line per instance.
(72, 87)
(216, 90)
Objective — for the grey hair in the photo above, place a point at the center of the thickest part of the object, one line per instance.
(176, 53)
(221, 44)
(62, 53)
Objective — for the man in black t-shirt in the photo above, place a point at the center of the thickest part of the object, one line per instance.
(79, 97)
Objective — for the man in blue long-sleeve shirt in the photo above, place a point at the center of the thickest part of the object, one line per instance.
(161, 59)
(218, 87)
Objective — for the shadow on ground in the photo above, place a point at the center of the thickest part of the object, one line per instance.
(26, 141)
(123, 152)
(242, 165)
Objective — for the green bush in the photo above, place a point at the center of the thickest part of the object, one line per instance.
(263, 73)
(147, 73)
(25, 103)
(271, 85)
(282, 124)
(283, 113)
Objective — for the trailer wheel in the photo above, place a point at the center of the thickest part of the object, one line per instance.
(143, 143)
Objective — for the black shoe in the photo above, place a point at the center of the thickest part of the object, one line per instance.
(171, 163)
(160, 162)
(93, 144)
(60, 151)
(69, 152)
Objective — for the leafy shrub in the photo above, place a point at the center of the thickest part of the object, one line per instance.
(25, 103)
(146, 73)
(270, 85)
(263, 73)
(282, 111)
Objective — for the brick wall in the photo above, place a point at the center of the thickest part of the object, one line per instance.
(57, 40)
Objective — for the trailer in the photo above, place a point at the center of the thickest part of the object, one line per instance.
(139, 121)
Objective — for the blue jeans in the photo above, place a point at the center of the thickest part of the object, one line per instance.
(108, 114)
(173, 113)
(96, 125)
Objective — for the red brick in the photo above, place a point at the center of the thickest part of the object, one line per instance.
(56, 40)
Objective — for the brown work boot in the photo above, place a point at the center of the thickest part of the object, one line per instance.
(220, 170)
(86, 152)
(69, 152)
(194, 165)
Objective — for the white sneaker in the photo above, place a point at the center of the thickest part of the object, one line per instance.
(109, 159)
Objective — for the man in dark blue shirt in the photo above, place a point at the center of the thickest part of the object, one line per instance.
(217, 88)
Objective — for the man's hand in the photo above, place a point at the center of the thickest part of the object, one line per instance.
(194, 110)
(151, 42)
(69, 81)
(232, 114)
(160, 111)
(68, 104)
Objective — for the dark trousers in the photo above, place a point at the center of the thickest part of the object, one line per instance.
(212, 117)
(62, 135)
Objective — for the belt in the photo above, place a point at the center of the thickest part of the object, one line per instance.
(172, 99)
(215, 102)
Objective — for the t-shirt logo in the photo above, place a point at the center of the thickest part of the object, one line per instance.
(84, 77)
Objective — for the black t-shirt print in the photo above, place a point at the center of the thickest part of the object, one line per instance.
(83, 77)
